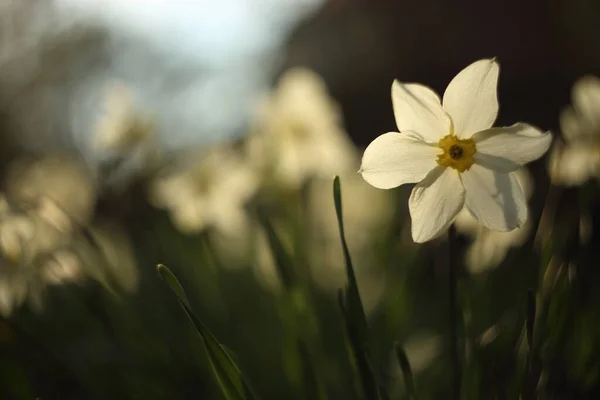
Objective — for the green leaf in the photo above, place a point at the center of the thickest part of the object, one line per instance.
(354, 305)
(167, 276)
(283, 260)
(406, 371)
(361, 357)
(354, 315)
(228, 375)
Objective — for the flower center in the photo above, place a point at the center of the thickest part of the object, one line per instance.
(458, 153)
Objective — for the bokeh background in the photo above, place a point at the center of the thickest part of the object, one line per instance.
(139, 132)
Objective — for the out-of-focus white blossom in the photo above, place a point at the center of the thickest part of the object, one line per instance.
(122, 129)
(210, 190)
(57, 187)
(47, 205)
(451, 150)
(578, 159)
(15, 231)
(489, 247)
(298, 134)
(62, 267)
(26, 240)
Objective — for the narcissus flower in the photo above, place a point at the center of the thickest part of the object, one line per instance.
(298, 134)
(451, 149)
(578, 160)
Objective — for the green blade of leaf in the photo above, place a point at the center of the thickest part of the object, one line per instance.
(354, 304)
(227, 373)
(353, 311)
(362, 362)
(167, 276)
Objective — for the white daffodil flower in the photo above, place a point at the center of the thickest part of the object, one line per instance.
(579, 159)
(59, 188)
(122, 128)
(25, 240)
(451, 149)
(209, 193)
(298, 134)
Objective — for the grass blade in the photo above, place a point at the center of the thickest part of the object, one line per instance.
(353, 312)
(354, 305)
(228, 375)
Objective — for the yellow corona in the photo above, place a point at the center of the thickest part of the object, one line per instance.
(458, 153)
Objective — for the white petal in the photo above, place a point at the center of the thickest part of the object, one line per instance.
(470, 98)
(434, 203)
(396, 158)
(495, 198)
(506, 149)
(417, 108)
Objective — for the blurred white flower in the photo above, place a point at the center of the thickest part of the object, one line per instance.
(13, 292)
(26, 236)
(124, 138)
(579, 158)
(208, 191)
(489, 247)
(454, 153)
(62, 267)
(298, 134)
(47, 204)
(58, 188)
(26, 240)
(122, 129)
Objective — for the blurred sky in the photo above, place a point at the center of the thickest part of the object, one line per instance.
(196, 66)
(216, 33)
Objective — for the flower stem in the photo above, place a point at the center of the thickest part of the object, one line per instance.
(453, 264)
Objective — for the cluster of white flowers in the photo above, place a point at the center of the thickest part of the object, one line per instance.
(297, 143)
(43, 201)
(46, 203)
